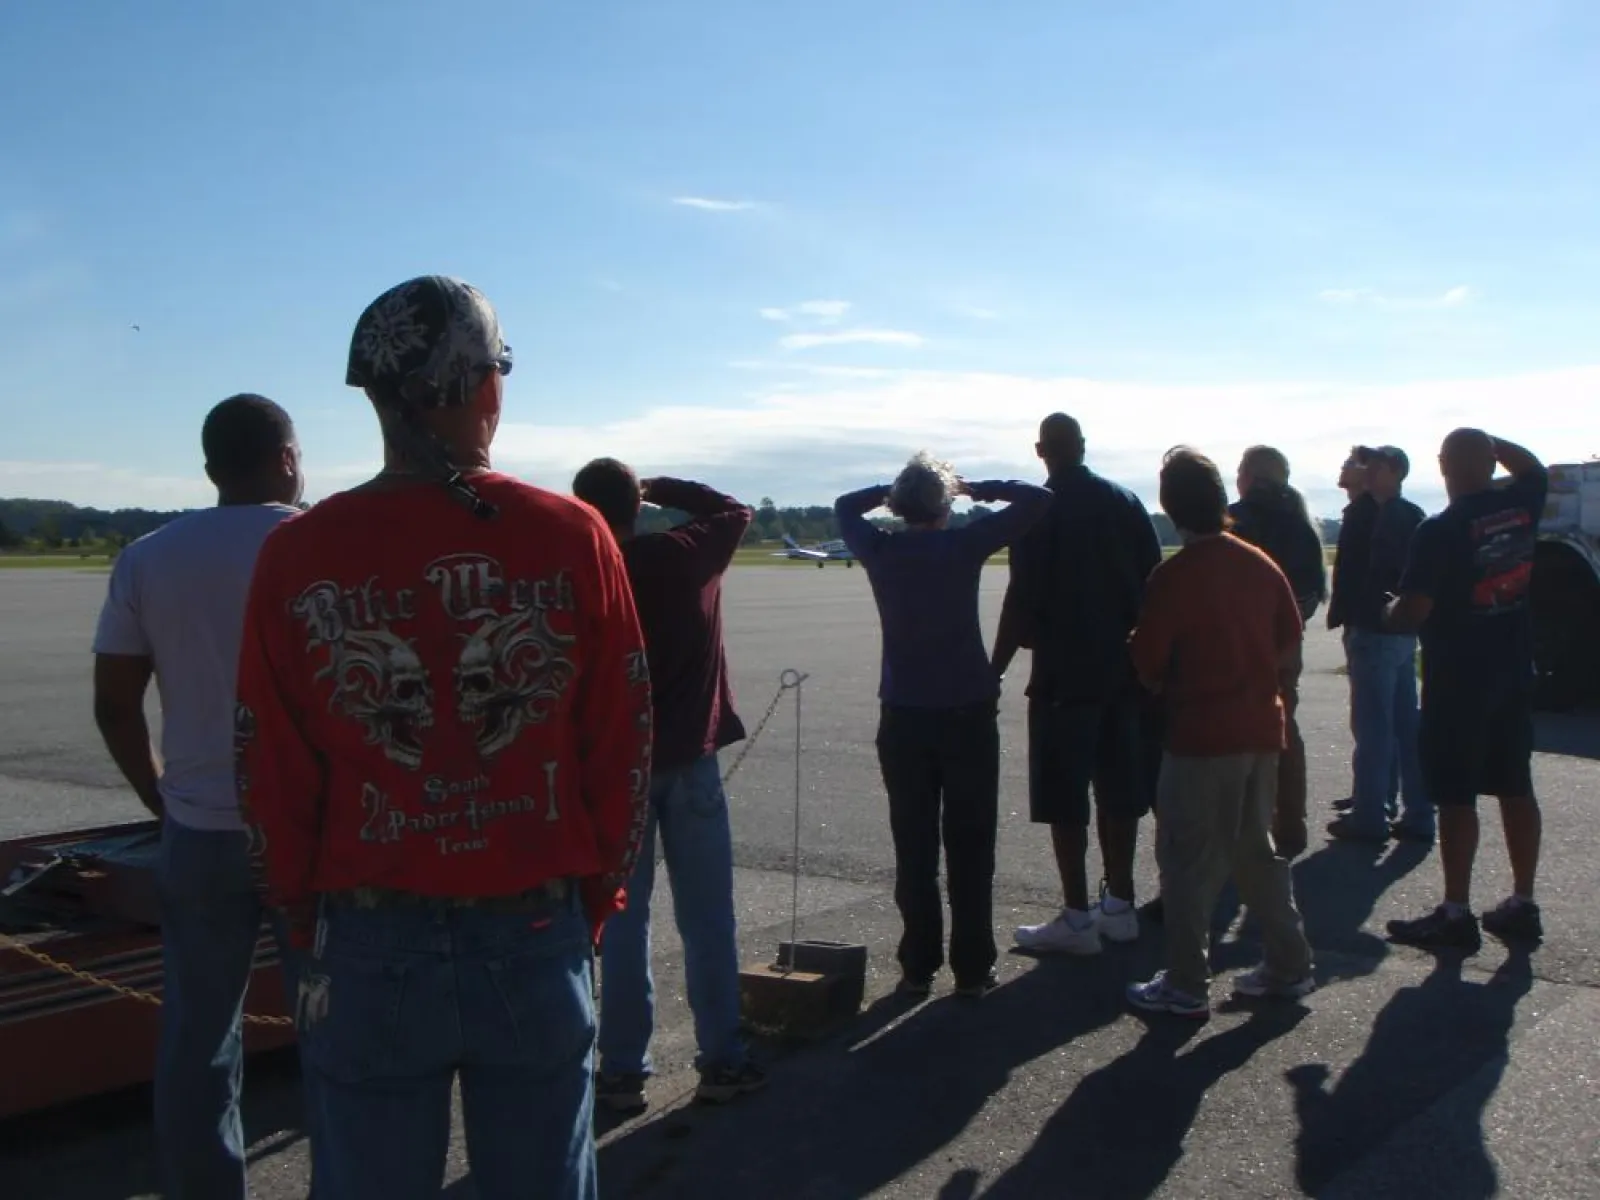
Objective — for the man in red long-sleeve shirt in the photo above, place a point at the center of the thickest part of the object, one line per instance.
(677, 586)
(443, 732)
(1218, 637)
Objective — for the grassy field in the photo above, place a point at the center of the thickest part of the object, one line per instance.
(74, 560)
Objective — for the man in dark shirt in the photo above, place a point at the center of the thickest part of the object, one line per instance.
(1272, 516)
(1349, 573)
(1077, 581)
(677, 588)
(1383, 669)
(938, 734)
(1466, 589)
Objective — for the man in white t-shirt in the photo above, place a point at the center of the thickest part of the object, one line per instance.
(175, 612)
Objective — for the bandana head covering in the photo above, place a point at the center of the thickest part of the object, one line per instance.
(421, 343)
(424, 345)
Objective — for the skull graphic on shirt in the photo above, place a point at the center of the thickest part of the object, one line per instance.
(380, 681)
(512, 673)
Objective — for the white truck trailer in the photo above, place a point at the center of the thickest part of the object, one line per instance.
(1565, 592)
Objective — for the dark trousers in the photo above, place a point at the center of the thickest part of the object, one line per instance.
(941, 768)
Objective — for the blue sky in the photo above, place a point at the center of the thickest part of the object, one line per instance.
(785, 246)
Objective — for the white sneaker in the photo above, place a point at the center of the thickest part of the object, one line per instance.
(1258, 983)
(1116, 926)
(1059, 937)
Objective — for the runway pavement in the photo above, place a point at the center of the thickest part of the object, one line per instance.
(1401, 1076)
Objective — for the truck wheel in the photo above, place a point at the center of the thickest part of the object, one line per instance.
(1565, 603)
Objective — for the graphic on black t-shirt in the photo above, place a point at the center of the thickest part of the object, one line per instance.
(1502, 561)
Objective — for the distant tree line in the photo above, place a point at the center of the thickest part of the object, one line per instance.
(55, 525)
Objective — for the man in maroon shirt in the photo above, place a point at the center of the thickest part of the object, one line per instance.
(677, 588)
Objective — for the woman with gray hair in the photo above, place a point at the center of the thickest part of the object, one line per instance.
(938, 734)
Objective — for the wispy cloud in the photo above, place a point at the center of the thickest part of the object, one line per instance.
(851, 337)
(707, 204)
(822, 312)
(1455, 297)
(791, 366)
(976, 312)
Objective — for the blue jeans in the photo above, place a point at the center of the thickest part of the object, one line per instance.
(409, 994)
(211, 916)
(1384, 711)
(690, 810)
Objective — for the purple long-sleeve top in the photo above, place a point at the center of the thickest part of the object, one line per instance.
(925, 583)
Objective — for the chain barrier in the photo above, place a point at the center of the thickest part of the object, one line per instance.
(7, 942)
(755, 735)
(789, 680)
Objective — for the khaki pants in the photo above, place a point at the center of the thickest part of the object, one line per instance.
(1214, 817)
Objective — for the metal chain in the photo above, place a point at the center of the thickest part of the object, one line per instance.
(750, 741)
(55, 964)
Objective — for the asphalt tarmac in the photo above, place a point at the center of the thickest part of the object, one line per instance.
(1404, 1075)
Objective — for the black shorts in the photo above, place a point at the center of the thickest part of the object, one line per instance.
(1109, 745)
(1476, 743)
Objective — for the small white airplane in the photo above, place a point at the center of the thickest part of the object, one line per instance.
(821, 554)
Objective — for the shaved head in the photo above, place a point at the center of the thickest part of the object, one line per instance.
(1060, 441)
(1467, 461)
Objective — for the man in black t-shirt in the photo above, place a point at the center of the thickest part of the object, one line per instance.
(1466, 588)
(1077, 585)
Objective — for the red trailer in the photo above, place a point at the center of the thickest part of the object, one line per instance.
(86, 901)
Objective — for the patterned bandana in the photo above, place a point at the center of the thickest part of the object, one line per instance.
(420, 343)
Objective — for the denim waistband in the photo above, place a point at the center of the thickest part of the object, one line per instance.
(534, 899)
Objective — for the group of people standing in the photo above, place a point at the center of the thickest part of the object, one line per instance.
(433, 727)
(1171, 686)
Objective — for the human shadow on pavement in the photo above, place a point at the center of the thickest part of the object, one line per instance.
(1572, 734)
(49, 1153)
(1336, 889)
(1443, 1040)
(852, 1114)
(1121, 1131)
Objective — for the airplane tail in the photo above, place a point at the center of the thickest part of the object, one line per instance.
(788, 540)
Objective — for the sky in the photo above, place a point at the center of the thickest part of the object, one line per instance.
(782, 247)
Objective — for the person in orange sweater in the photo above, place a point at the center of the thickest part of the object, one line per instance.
(1216, 637)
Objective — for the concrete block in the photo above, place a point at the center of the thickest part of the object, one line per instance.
(796, 1003)
(825, 958)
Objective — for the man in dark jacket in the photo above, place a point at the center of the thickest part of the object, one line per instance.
(1383, 669)
(1272, 516)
